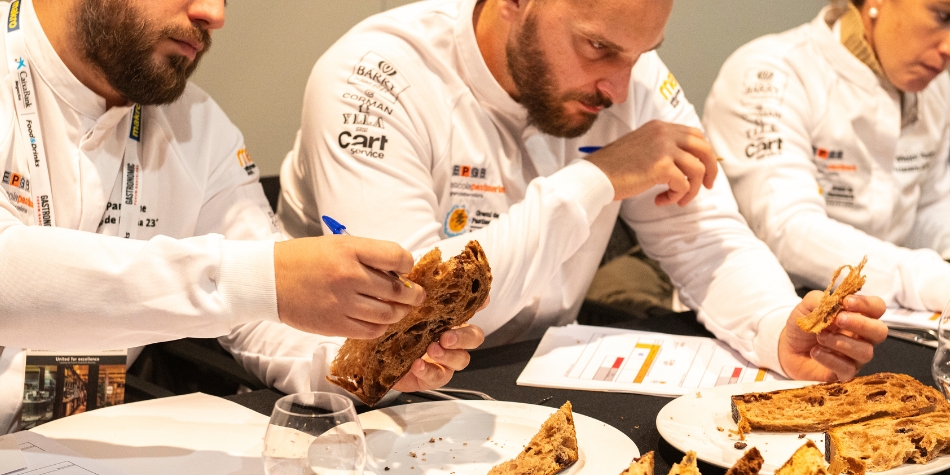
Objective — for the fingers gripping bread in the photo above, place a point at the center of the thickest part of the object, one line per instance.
(832, 303)
(819, 407)
(455, 289)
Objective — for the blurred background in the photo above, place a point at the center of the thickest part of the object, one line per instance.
(260, 61)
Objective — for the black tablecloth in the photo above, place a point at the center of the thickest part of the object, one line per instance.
(495, 370)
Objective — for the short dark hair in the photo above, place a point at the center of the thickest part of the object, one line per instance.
(858, 3)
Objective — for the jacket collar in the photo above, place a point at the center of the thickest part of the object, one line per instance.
(476, 75)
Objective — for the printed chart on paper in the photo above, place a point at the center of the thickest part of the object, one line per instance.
(607, 359)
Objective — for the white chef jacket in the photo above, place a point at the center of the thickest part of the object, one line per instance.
(823, 171)
(79, 288)
(406, 136)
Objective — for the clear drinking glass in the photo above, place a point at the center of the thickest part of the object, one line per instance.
(941, 365)
(314, 434)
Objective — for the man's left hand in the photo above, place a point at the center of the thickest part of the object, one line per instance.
(442, 359)
(839, 351)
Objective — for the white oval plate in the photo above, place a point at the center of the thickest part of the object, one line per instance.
(471, 437)
(693, 422)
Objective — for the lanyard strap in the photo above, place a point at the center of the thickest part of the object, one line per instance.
(28, 120)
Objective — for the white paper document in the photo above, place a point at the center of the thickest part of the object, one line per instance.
(45, 456)
(610, 359)
(902, 317)
(11, 459)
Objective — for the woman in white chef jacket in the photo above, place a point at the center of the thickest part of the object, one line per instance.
(835, 141)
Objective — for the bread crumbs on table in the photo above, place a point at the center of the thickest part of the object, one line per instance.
(720, 429)
(432, 440)
(386, 469)
(464, 443)
(801, 436)
(412, 454)
(440, 438)
(636, 427)
(741, 445)
(699, 395)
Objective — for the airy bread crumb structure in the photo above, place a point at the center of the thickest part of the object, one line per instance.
(551, 450)
(455, 290)
(882, 444)
(822, 406)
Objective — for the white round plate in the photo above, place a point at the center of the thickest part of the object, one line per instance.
(471, 437)
(702, 422)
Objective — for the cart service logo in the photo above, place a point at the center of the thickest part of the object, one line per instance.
(455, 221)
(671, 91)
(244, 160)
(378, 74)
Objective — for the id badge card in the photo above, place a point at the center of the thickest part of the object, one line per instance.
(60, 384)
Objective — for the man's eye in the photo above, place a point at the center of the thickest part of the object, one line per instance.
(596, 44)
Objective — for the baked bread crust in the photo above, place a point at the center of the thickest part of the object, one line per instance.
(551, 450)
(831, 303)
(642, 465)
(687, 466)
(750, 463)
(455, 290)
(807, 460)
(882, 444)
(822, 406)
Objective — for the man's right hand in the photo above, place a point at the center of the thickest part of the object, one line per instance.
(336, 286)
(659, 153)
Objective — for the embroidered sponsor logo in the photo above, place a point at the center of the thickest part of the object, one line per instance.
(374, 72)
(13, 22)
(360, 144)
(244, 160)
(455, 221)
(368, 103)
(135, 130)
(16, 180)
(760, 114)
(825, 154)
(764, 147)
(914, 162)
(670, 90)
(19, 201)
(469, 172)
(840, 195)
(461, 187)
(764, 85)
(363, 119)
(481, 219)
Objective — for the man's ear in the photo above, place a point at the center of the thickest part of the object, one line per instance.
(512, 10)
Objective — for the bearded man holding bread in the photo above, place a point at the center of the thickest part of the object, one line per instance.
(131, 212)
(530, 126)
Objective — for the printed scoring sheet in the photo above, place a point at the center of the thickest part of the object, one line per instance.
(608, 359)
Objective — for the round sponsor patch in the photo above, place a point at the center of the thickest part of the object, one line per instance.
(456, 221)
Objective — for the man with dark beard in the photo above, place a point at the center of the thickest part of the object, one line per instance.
(132, 214)
(531, 125)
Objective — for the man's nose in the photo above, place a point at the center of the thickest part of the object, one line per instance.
(208, 14)
(616, 85)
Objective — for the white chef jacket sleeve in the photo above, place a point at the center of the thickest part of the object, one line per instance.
(393, 197)
(732, 280)
(766, 146)
(71, 290)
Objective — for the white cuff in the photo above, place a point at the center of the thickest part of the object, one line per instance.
(766, 339)
(246, 281)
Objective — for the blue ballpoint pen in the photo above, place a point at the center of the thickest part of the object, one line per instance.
(337, 228)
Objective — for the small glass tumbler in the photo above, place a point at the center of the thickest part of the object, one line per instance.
(314, 434)
(941, 364)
